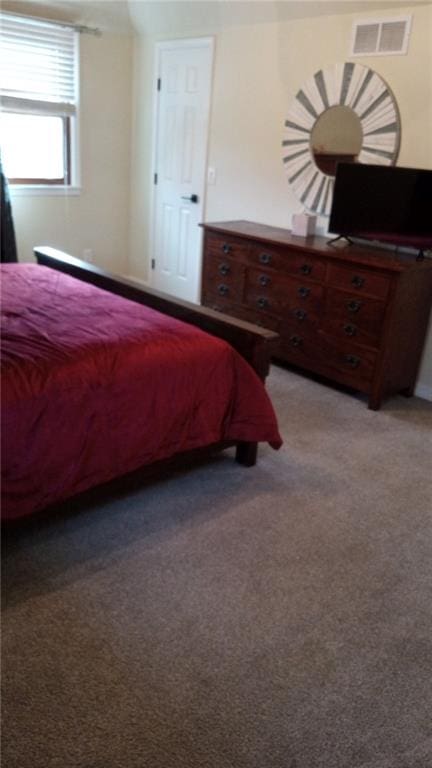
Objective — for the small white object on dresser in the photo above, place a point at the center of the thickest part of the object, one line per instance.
(303, 224)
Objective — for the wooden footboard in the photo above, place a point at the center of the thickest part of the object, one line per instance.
(255, 344)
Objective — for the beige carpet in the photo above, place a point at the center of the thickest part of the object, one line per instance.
(274, 617)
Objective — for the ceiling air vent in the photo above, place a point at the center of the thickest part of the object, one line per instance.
(381, 37)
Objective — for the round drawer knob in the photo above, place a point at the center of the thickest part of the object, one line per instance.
(353, 305)
(224, 269)
(226, 248)
(352, 360)
(295, 341)
(223, 290)
(303, 292)
(264, 280)
(357, 281)
(265, 258)
(300, 314)
(263, 302)
(305, 269)
(350, 330)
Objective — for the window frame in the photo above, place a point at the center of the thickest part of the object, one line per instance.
(69, 114)
(66, 179)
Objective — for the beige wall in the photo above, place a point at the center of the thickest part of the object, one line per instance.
(141, 143)
(97, 218)
(259, 66)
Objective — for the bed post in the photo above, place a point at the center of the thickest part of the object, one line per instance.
(246, 454)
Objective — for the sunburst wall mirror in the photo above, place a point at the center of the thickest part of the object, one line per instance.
(343, 114)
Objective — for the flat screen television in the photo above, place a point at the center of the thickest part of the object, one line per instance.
(384, 203)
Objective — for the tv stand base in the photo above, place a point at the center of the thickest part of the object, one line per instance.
(340, 237)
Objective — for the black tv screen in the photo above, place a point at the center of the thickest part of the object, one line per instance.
(384, 203)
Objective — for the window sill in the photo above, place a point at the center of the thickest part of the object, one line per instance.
(44, 190)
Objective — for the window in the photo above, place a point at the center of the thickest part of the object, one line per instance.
(38, 89)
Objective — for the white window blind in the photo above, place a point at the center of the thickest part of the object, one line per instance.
(38, 66)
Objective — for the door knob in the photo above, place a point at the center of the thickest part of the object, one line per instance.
(191, 198)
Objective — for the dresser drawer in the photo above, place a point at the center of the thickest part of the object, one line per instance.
(348, 316)
(349, 363)
(272, 322)
(242, 313)
(271, 292)
(221, 291)
(220, 304)
(287, 261)
(218, 271)
(225, 246)
(299, 346)
(300, 318)
(346, 363)
(359, 281)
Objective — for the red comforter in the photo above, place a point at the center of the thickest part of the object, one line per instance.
(94, 386)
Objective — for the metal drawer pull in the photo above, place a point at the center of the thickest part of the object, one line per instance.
(265, 258)
(226, 248)
(352, 360)
(223, 290)
(303, 292)
(263, 302)
(224, 269)
(357, 281)
(353, 306)
(264, 280)
(350, 330)
(295, 341)
(300, 314)
(306, 269)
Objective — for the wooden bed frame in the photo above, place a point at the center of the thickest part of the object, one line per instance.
(255, 344)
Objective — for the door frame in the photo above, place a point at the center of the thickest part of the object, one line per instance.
(163, 45)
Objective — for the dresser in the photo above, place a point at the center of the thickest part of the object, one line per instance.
(356, 315)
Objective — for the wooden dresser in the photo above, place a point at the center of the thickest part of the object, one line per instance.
(357, 315)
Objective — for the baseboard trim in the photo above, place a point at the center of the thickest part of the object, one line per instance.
(137, 280)
(423, 391)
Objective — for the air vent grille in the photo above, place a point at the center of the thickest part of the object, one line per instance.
(392, 36)
(381, 37)
(366, 40)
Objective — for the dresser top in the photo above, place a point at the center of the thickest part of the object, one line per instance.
(369, 255)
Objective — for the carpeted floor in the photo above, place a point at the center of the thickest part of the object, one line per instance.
(275, 617)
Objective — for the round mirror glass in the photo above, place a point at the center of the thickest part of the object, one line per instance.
(336, 137)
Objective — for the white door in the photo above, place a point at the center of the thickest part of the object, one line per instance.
(184, 82)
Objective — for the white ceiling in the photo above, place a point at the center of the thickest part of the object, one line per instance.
(108, 15)
(159, 16)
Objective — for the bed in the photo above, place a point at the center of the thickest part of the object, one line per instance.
(101, 377)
